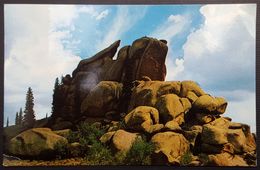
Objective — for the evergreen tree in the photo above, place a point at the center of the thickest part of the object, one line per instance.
(55, 97)
(20, 117)
(29, 117)
(46, 115)
(7, 122)
(16, 119)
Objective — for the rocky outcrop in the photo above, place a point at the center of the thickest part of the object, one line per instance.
(145, 57)
(129, 99)
(37, 142)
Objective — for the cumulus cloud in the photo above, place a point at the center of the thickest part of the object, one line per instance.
(223, 49)
(34, 55)
(220, 55)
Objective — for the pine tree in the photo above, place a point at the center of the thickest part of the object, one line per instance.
(29, 117)
(7, 122)
(55, 97)
(16, 119)
(20, 117)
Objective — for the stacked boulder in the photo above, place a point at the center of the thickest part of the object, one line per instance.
(145, 57)
(129, 96)
(180, 118)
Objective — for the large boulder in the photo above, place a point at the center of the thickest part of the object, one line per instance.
(191, 86)
(217, 134)
(143, 118)
(171, 106)
(34, 142)
(102, 99)
(213, 135)
(147, 58)
(241, 141)
(169, 147)
(209, 104)
(122, 140)
(226, 159)
(146, 93)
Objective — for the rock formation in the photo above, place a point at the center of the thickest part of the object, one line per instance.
(177, 117)
(145, 57)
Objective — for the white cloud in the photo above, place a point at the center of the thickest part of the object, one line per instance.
(102, 15)
(126, 17)
(62, 15)
(175, 24)
(35, 56)
(222, 51)
(220, 56)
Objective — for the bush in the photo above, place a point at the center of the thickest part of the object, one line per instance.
(73, 137)
(186, 159)
(61, 150)
(88, 132)
(140, 153)
(98, 154)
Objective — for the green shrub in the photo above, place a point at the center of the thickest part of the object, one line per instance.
(61, 150)
(98, 154)
(86, 134)
(140, 153)
(73, 137)
(186, 159)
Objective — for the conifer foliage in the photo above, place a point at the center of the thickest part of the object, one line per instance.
(16, 119)
(20, 117)
(29, 116)
(56, 97)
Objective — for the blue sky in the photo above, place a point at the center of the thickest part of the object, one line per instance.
(213, 45)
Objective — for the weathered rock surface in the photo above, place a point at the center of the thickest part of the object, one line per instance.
(209, 104)
(34, 142)
(146, 93)
(170, 106)
(123, 140)
(143, 118)
(170, 146)
(226, 159)
(102, 99)
(191, 87)
(145, 57)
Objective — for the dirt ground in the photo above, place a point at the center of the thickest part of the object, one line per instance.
(64, 162)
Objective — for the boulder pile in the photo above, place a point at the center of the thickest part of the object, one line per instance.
(128, 96)
(180, 118)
